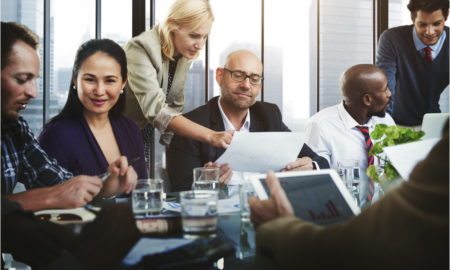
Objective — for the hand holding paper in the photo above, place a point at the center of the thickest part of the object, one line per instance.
(262, 151)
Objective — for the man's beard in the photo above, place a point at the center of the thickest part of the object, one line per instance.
(381, 113)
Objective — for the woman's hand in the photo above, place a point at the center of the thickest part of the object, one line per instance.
(221, 138)
(123, 178)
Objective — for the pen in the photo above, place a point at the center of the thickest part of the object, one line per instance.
(107, 174)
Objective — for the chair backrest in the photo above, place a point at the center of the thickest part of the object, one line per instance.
(433, 124)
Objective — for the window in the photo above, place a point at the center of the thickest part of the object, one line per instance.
(290, 59)
(116, 20)
(345, 39)
(71, 24)
(29, 13)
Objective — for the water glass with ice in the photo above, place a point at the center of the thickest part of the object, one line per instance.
(349, 172)
(147, 197)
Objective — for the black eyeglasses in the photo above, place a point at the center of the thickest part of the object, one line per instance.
(59, 217)
(240, 76)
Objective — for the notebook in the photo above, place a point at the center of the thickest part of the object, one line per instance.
(317, 196)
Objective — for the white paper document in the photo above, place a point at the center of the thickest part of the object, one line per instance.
(404, 157)
(262, 151)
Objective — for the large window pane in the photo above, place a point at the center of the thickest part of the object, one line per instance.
(346, 39)
(116, 20)
(31, 14)
(71, 24)
(289, 58)
(237, 26)
(399, 14)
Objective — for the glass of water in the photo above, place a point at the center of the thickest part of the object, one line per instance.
(349, 172)
(245, 190)
(206, 178)
(199, 211)
(146, 197)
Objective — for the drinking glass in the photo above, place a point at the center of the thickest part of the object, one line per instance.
(245, 190)
(348, 170)
(206, 178)
(146, 197)
(199, 211)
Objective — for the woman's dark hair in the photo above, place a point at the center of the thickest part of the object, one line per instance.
(428, 6)
(73, 106)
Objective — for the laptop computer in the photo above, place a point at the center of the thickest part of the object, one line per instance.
(317, 196)
(433, 124)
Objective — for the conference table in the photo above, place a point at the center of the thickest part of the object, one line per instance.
(237, 233)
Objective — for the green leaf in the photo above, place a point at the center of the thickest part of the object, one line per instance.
(390, 171)
(376, 149)
(372, 173)
(392, 132)
(378, 132)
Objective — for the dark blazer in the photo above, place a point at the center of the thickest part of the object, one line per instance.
(184, 154)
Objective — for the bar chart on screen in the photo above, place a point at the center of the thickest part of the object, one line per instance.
(330, 212)
(319, 202)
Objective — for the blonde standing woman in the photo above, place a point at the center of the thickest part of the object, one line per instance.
(158, 62)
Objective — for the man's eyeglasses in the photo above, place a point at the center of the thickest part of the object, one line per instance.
(240, 76)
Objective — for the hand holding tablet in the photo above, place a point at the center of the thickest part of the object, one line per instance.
(316, 196)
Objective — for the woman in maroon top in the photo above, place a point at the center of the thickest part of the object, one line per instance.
(90, 132)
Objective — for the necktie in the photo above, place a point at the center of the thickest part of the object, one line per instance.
(370, 158)
(428, 56)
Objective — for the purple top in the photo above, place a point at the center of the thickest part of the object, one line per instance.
(72, 143)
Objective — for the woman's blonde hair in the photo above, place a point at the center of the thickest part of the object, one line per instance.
(183, 13)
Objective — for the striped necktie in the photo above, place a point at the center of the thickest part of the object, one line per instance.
(428, 56)
(370, 158)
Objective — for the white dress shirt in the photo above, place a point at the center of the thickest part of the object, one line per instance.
(331, 133)
(238, 177)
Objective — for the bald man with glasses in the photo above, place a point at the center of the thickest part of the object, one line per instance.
(235, 109)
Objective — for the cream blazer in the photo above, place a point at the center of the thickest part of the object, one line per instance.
(146, 91)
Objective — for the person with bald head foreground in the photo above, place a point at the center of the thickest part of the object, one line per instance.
(339, 132)
(235, 109)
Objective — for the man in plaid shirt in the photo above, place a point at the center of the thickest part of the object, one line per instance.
(48, 184)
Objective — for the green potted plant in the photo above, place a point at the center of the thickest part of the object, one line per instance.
(383, 136)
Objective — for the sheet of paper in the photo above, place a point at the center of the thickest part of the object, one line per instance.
(238, 178)
(404, 157)
(262, 151)
(148, 246)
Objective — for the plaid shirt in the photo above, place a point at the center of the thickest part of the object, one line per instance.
(23, 160)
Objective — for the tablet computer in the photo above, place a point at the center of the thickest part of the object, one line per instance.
(317, 196)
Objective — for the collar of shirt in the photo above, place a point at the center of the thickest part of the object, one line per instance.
(228, 125)
(435, 49)
(348, 120)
